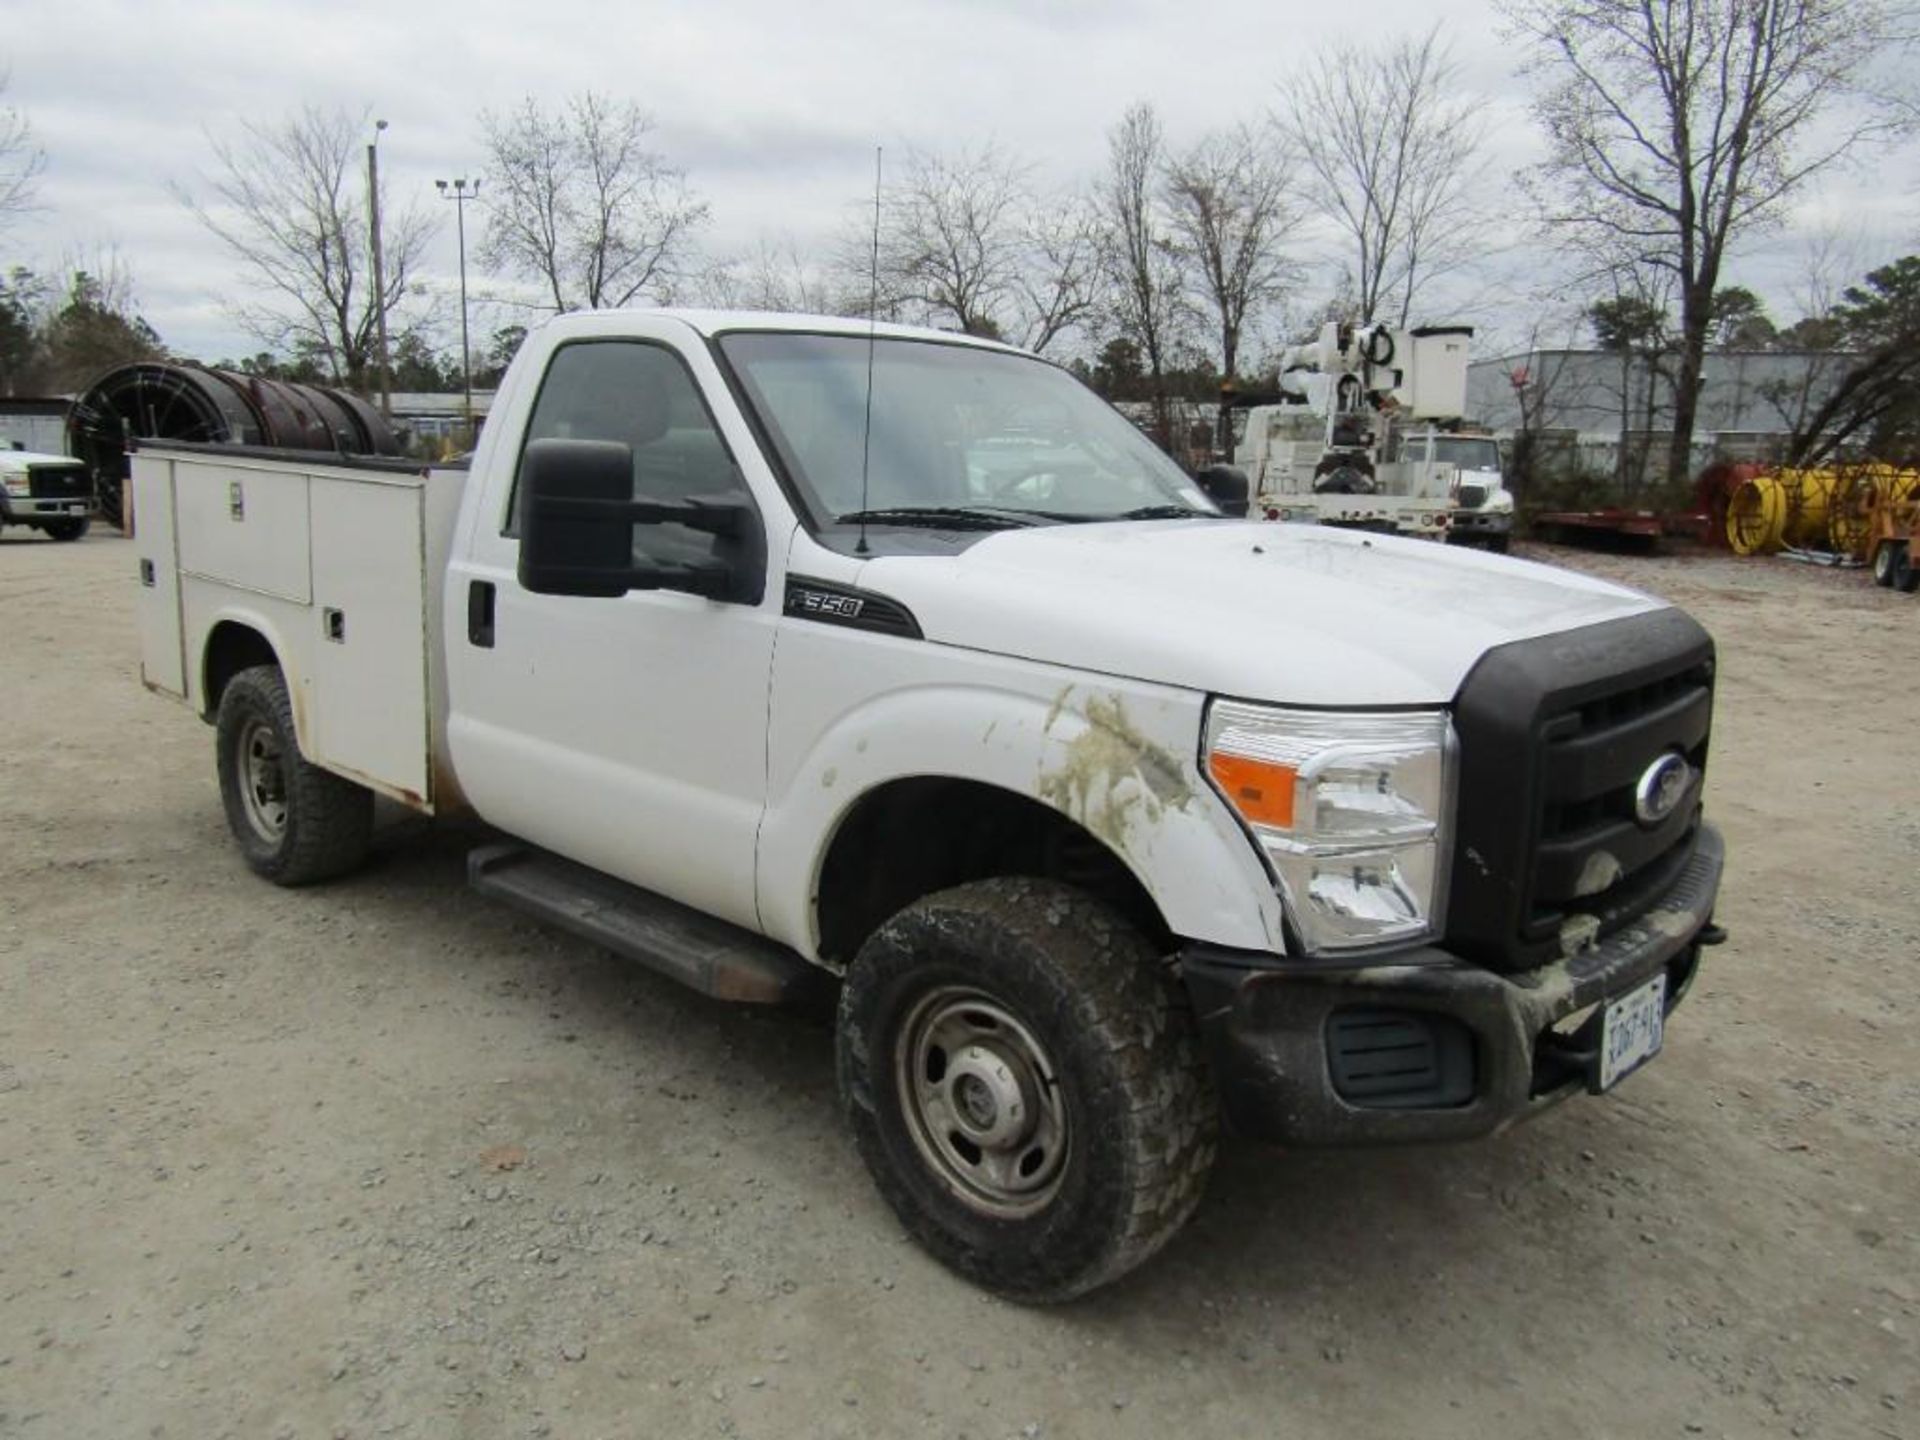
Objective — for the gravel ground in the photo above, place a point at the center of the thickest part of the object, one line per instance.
(382, 1159)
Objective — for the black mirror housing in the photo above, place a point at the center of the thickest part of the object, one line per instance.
(1226, 486)
(577, 516)
(575, 535)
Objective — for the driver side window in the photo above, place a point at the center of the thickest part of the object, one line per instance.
(642, 396)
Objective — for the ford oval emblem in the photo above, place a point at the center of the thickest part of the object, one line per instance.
(1662, 786)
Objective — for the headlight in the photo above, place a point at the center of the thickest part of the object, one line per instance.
(1352, 810)
(15, 484)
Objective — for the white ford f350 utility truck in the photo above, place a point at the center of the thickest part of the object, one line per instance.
(780, 653)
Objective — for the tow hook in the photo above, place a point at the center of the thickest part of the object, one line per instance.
(1712, 934)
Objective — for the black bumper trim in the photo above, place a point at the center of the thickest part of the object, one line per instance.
(1265, 1019)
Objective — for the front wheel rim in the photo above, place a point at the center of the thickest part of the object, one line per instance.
(982, 1101)
(260, 776)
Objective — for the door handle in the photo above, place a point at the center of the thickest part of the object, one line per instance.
(480, 613)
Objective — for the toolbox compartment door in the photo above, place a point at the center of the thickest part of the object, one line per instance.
(157, 603)
(244, 524)
(367, 672)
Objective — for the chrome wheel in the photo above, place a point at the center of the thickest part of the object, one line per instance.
(982, 1102)
(260, 776)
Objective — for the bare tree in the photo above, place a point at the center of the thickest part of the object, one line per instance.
(1138, 250)
(950, 236)
(1057, 284)
(1232, 212)
(966, 242)
(775, 275)
(1390, 155)
(1676, 128)
(21, 162)
(582, 207)
(289, 202)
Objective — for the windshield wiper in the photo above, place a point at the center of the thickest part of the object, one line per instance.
(1166, 512)
(945, 517)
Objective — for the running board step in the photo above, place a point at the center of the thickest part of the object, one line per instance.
(699, 951)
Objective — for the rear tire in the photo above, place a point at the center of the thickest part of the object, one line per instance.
(1906, 578)
(1025, 1085)
(294, 822)
(1499, 543)
(71, 529)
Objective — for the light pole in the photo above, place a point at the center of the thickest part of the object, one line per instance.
(460, 191)
(379, 269)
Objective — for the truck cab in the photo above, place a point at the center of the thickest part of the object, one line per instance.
(1482, 507)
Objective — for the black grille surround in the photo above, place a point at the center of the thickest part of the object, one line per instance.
(58, 482)
(1554, 735)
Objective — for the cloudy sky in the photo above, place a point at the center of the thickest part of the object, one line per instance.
(772, 107)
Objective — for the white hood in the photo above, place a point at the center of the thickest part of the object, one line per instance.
(1294, 614)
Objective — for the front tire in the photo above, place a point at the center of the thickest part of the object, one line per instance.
(295, 823)
(69, 529)
(1024, 1083)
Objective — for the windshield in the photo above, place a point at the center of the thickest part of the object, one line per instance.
(954, 427)
(1467, 451)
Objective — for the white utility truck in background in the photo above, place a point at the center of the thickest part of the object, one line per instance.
(1482, 512)
(1324, 454)
(786, 653)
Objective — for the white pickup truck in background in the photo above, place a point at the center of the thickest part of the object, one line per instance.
(782, 653)
(49, 493)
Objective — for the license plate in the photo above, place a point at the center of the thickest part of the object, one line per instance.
(1632, 1031)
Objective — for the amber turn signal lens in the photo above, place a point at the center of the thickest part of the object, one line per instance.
(1259, 789)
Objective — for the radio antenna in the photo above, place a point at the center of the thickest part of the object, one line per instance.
(873, 316)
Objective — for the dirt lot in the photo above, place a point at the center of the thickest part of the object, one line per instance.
(382, 1159)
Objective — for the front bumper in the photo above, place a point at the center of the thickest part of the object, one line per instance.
(26, 510)
(1502, 1052)
(1482, 522)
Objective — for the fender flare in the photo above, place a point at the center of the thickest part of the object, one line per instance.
(248, 618)
(1110, 758)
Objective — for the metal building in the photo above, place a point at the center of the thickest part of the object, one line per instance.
(1581, 404)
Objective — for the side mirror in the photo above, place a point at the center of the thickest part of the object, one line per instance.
(577, 518)
(1226, 486)
(575, 535)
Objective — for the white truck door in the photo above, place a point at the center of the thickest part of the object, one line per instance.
(628, 734)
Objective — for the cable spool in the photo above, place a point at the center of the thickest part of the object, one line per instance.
(1858, 494)
(1809, 495)
(163, 400)
(1783, 508)
(1756, 516)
